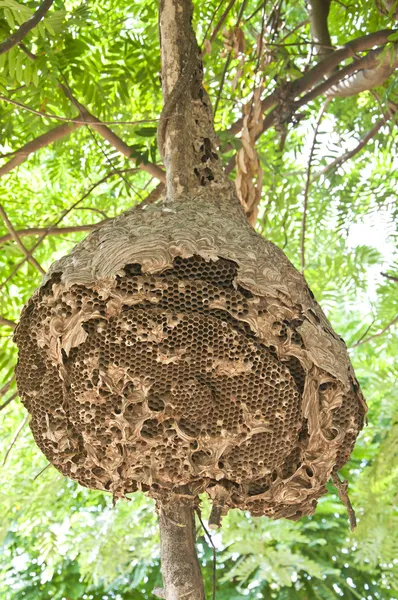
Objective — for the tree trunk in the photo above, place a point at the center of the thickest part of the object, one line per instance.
(185, 135)
(181, 573)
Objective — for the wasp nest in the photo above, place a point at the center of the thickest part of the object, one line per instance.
(174, 347)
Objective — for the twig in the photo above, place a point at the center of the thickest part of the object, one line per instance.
(10, 399)
(227, 62)
(347, 155)
(42, 471)
(69, 119)
(387, 276)
(221, 20)
(7, 323)
(365, 333)
(109, 135)
(53, 229)
(14, 439)
(19, 35)
(6, 386)
(18, 242)
(308, 184)
(375, 335)
(207, 534)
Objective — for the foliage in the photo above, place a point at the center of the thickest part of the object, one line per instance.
(60, 540)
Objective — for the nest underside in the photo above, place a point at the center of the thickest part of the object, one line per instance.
(182, 378)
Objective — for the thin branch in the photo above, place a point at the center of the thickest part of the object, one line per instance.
(18, 242)
(376, 335)
(227, 62)
(7, 323)
(110, 136)
(392, 277)
(42, 471)
(365, 333)
(351, 153)
(6, 386)
(221, 21)
(40, 142)
(308, 184)
(17, 37)
(152, 197)
(16, 436)
(69, 119)
(10, 399)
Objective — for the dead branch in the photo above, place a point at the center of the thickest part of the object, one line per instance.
(347, 155)
(7, 323)
(376, 335)
(16, 436)
(40, 142)
(318, 11)
(16, 37)
(18, 242)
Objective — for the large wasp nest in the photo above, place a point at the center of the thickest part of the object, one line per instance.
(175, 348)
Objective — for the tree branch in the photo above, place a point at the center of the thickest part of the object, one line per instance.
(16, 436)
(40, 142)
(291, 90)
(375, 335)
(221, 21)
(51, 231)
(10, 399)
(110, 136)
(287, 106)
(19, 35)
(391, 277)
(379, 70)
(7, 323)
(318, 11)
(18, 242)
(351, 153)
(45, 115)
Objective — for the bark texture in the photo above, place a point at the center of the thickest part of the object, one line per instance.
(181, 573)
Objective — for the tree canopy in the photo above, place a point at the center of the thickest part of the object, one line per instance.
(305, 100)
